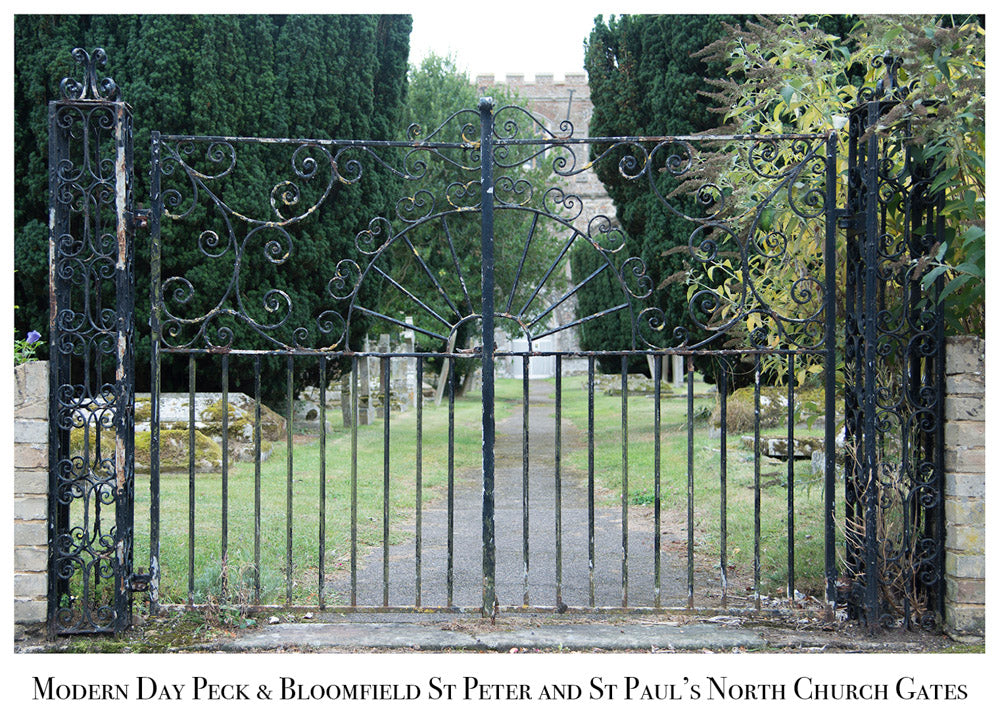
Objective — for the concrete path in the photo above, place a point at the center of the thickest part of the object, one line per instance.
(541, 570)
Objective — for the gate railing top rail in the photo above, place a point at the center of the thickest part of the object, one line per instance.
(763, 137)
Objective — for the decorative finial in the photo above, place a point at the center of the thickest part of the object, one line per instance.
(90, 88)
(888, 86)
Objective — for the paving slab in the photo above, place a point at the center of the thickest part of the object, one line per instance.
(586, 636)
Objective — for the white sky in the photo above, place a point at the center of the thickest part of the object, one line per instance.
(514, 36)
(505, 42)
(546, 36)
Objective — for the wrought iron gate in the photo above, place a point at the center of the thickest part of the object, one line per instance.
(470, 190)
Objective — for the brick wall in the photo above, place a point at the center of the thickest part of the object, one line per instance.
(965, 486)
(31, 482)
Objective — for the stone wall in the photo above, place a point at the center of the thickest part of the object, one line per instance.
(965, 486)
(554, 101)
(31, 483)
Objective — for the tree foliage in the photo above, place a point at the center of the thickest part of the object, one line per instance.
(791, 74)
(648, 76)
(328, 76)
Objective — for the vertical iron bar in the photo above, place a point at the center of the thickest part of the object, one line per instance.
(156, 295)
(191, 497)
(690, 481)
(791, 477)
(590, 476)
(756, 482)
(870, 480)
(525, 369)
(624, 500)
(418, 542)
(558, 482)
(256, 479)
(657, 380)
(57, 222)
(937, 456)
(486, 203)
(829, 371)
(384, 362)
(354, 481)
(322, 482)
(225, 477)
(450, 581)
(852, 372)
(911, 371)
(96, 528)
(288, 485)
(723, 453)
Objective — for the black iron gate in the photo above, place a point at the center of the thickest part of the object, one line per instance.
(487, 242)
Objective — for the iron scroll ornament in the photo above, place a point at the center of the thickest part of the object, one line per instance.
(91, 470)
(90, 88)
(791, 168)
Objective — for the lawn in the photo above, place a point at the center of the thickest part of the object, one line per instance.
(303, 527)
(707, 480)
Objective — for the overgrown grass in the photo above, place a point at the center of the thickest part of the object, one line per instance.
(706, 465)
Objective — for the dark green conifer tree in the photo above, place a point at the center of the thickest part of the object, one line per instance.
(645, 80)
(328, 76)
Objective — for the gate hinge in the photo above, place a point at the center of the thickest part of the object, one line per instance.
(850, 221)
(140, 217)
(139, 581)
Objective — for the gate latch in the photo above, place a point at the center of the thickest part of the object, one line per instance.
(140, 217)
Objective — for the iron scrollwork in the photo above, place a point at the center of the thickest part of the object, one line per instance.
(90, 88)
(91, 366)
(444, 168)
(894, 375)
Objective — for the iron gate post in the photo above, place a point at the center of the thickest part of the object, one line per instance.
(58, 514)
(92, 326)
(156, 301)
(124, 413)
(489, 432)
(894, 360)
(869, 282)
